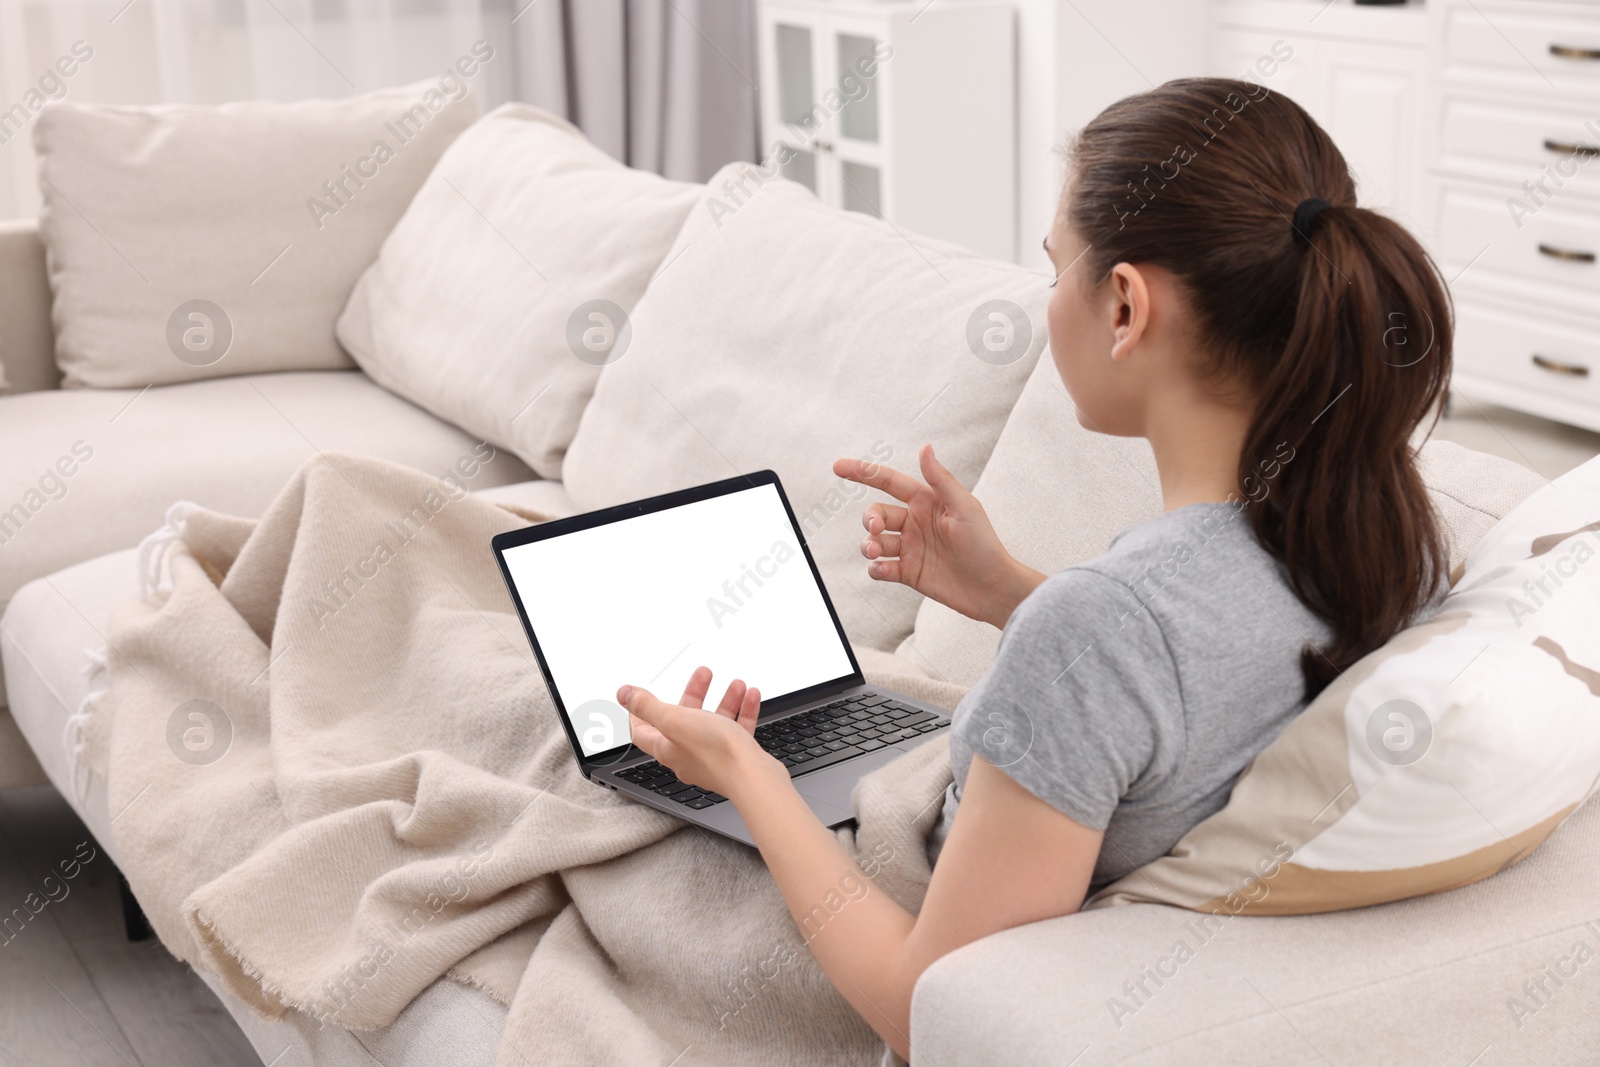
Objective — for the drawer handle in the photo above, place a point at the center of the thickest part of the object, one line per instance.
(1566, 253)
(1566, 51)
(1577, 370)
(1571, 148)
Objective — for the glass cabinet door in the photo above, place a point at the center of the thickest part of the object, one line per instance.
(860, 78)
(800, 166)
(796, 88)
(860, 188)
(858, 118)
(795, 115)
(824, 98)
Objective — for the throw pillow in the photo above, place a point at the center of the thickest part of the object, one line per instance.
(197, 242)
(784, 334)
(505, 287)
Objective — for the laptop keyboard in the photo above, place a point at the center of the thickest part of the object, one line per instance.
(809, 741)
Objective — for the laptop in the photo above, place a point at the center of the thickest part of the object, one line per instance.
(720, 575)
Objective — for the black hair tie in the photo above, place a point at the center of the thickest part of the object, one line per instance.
(1305, 217)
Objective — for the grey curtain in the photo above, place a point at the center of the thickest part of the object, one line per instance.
(665, 85)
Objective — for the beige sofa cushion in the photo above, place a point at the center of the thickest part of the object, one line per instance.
(90, 471)
(780, 333)
(478, 305)
(198, 242)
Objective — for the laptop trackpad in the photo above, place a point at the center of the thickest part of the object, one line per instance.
(830, 788)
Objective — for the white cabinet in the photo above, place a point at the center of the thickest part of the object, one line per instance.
(1513, 194)
(1357, 70)
(905, 111)
(1367, 99)
(1476, 123)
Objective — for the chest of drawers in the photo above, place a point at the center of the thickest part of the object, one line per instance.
(1512, 198)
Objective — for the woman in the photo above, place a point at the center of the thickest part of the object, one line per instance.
(1219, 293)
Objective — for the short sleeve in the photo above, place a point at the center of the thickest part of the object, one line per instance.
(1081, 706)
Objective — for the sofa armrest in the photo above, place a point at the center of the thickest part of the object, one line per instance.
(27, 339)
(1425, 980)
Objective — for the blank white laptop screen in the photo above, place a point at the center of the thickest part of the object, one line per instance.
(645, 600)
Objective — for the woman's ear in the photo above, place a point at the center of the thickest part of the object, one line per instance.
(1129, 308)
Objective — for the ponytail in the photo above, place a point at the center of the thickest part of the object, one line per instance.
(1350, 517)
(1334, 316)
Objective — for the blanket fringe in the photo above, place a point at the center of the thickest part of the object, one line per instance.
(272, 996)
(472, 981)
(154, 550)
(75, 736)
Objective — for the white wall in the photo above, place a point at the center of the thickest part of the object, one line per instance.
(209, 53)
(1073, 58)
(1038, 169)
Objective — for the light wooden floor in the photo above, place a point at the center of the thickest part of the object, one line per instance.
(73, 991)
(1547, 448)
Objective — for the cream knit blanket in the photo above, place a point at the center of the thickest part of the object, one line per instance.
(336, 777)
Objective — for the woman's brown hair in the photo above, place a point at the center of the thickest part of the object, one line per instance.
(1335, 321)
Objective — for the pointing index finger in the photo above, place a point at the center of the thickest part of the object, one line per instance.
(900, 486)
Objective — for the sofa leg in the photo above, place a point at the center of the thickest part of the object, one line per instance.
(133, 920)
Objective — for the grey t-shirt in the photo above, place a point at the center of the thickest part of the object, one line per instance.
(1129, 692)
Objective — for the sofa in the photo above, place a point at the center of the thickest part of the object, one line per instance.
(730, 365)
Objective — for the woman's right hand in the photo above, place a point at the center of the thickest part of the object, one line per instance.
(940, 543)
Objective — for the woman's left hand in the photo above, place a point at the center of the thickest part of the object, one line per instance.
(712, 751)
